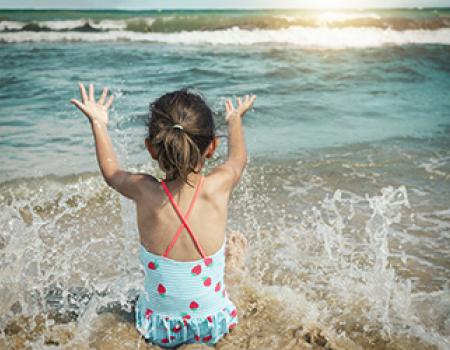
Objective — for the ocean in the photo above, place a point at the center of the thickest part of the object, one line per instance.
(345, 200)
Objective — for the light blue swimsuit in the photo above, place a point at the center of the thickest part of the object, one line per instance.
(184, 302)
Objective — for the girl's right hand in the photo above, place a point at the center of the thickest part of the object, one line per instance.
(242, 107)
(96, 111)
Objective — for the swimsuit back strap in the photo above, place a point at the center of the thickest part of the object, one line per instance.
(181, 227)
(184, 218)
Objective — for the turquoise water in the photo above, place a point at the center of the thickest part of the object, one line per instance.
(345, 199)
(306, 98)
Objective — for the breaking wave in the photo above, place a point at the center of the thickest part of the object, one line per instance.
(323, 37)
(219, 21)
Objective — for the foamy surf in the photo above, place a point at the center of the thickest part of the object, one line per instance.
(324, 266)
(333, 38)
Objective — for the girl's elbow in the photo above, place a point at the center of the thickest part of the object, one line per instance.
(112, 178)
(109, 181)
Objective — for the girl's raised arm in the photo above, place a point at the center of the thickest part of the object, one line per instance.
(124, 182)
(231, 170)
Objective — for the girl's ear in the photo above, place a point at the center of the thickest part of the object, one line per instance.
(212, 147)
(150, 149)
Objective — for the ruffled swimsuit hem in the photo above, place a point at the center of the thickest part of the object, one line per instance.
(169, 332)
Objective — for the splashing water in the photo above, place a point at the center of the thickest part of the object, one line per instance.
(69, 250)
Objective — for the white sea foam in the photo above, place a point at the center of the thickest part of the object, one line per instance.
(301, 36)
(72, 24)
(11, 25)
(108, 24)
(60, 25)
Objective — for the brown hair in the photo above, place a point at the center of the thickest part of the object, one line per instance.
(180, 129)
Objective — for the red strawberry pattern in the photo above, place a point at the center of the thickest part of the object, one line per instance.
(231, 326)
(233, 313)
(186, 317)
(196, 270)
(217, 288)
(208, 261)
(207, 338)
(193, 305)
(197, 337)
(164, 340)
(161, 290)
(209, 318)
(148, 313)
(152, 265)
(177, 328)
(206, 281)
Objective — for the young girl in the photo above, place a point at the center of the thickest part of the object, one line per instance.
(182, 218)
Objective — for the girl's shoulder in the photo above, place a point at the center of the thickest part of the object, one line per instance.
(216, 190)
(218, 181)
(149, 186)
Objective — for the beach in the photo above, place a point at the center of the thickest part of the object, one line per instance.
(344, 202)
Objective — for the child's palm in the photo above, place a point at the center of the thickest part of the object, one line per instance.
(242, 106)
(94, 110)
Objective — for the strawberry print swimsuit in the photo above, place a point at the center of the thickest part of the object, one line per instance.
(184, 301)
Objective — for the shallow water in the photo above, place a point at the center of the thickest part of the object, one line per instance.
(344, 202)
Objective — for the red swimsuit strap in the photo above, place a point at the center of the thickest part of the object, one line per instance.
(184, 218)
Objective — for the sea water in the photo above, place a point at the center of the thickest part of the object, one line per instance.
(345, 200)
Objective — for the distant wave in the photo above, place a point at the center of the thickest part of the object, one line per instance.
(322, 37)
(61, 26)
(202, 22)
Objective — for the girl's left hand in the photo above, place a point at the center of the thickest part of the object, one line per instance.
(94, 110)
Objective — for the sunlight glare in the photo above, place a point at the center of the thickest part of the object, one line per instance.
(337, 4)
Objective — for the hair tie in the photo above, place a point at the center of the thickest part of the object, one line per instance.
(177, 126)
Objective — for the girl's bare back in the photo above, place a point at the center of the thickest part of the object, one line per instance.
(158, 221)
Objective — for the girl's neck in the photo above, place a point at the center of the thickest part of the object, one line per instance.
(192, 178)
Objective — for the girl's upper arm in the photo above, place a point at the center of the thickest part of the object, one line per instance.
(226, 176)
(131, 185)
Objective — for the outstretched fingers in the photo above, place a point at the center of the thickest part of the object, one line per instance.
(91, 92)
(83, 94)
(78, 104)
(246, 104)
(110, 101)
(249, 101)
(228, 106)
(103, 96)
(243, 104)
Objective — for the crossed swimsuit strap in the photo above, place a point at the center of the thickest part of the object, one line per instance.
(184, 218)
